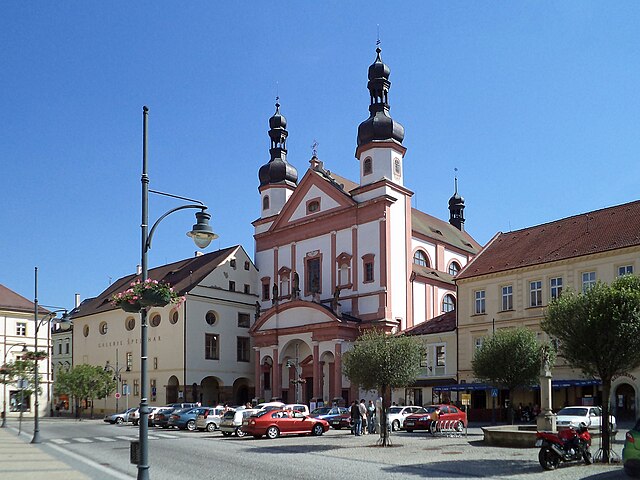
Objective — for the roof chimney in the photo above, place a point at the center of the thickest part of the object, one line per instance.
(198, 253)
(76, 302)
(138, 270)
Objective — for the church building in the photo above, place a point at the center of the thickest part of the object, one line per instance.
(336, 257)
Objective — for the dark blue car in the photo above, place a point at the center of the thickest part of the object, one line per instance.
(185, 418)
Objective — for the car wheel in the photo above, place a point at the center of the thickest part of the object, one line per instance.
(191, 425)
(395, 425)
(226, 434)
(273, 432)
(211, 427)
(135, 423)
(459, 427)
(240, 433)
(317, 430)
(119, 420)
(548, 459)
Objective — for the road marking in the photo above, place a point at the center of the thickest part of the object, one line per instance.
(83, 440)
(59, 441)
(127, 438)
(105, 439)
(165, 435)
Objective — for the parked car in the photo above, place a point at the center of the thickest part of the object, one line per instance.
(582, 415)
(134, 416)
(396, 415)
(180, 406)
(209, 419)
(631, 451)
(421, 420)
(339, 420)
(119, 418)
(274, 423)
(185, 418)
(152, 412)
(325, 412)
(161, 417)
(297, 407)
(232, 421)
(270, 406)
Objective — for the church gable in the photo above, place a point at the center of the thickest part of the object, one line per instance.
(314, 196)
(294, 316)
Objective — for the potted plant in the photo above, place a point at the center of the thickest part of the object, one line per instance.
(150, 293)
(39, 355)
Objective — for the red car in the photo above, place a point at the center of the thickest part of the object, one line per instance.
(422, 421)
(274, 423)
(341, 420)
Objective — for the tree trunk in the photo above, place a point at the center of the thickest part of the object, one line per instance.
(606, 439)
(385, 393)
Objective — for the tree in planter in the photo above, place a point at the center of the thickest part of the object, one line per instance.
(85, 382)
(599, 333)
(383, 362)
(510, 359)
(23, 370)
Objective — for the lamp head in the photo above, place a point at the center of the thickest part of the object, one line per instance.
(202, 233)
(65, 322)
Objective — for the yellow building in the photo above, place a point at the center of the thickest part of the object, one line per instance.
(518, 273)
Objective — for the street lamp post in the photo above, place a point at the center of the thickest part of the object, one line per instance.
(117, 376)
(38, 323)
(202, 235)
(4, 378)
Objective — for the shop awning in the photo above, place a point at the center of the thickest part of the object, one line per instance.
(461, 387)
(574, 383)
(433, 382)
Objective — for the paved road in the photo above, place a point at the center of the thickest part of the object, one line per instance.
(335, 455)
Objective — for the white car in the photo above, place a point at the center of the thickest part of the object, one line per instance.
(232, 421)
(396, 415)
(209, 419)
(297, 407)
(582, 415)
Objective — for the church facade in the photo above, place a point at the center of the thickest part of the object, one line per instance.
(337, 257)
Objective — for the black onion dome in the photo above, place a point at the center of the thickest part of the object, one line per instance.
(277, 120)
(278, 171)
(456, 200)
(379, 126)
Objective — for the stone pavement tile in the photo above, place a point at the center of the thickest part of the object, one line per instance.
(20, 460)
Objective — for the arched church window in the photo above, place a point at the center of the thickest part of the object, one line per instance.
(265, 202)
(454, 268)
(420, 258)
(448, 303)
(367, 167)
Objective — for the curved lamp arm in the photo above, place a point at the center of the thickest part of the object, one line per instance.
(201, 228)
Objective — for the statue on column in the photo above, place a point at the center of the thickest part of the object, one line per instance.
(335, 305)
(295, 290)
(274, 293)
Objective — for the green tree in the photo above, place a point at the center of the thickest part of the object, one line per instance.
(599, 333)
(510, 359)
(383, 362)
(85, 382)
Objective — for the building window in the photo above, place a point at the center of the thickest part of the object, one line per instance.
(440, 356)
(284, 281)
(424, 358)
(535, 293)
(420, 258)
(232, 263)
(130, 323)
(265, 288)
(60, 348)
(155, 363)
(312, 271)
(244, 320)
(448, 303)
(21, 329)
(313, 206)
(243, 349)
(454, 268)
(211, 347)
(477, 343)
(507, 298)
(480, 302)
(154, 391)
(129, 360)
(136, 387)
(247, 288)
(103, 328)
(625, 270)
(85, 330)
(232, 286)
(66, 347)
(368, 268)
(246, 265)
(588, 280)
(155, 320)
(367, 167)
(555, 287)
(173, 319)
(265, 202)
(344, 274)
(210, 317)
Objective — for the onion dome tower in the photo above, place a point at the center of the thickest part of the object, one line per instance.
(278, 178)
(380, 150)
(456, 209)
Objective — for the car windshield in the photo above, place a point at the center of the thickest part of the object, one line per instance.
(229, 415)
(430, 408)
(573, 412)
(420, 411)
(395, 410)
(321, 411)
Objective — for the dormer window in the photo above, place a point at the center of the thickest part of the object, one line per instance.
(313, 206)
(367, 167)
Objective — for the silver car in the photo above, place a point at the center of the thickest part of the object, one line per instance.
(232, 421)
(209, 419)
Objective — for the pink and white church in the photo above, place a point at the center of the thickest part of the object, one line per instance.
(337, 257)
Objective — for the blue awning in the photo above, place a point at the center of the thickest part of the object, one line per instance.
(461, 387)
(574, 383)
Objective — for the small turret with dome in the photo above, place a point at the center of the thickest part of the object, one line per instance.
(278, 171)
(456, 209)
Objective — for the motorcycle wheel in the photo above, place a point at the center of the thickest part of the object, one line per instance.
(587, 457)
(548, 459)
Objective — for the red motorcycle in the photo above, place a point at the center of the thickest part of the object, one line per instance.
(565, 446)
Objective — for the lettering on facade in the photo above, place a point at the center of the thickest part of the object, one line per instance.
(130, 341)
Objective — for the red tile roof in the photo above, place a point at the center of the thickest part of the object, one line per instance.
(183, 276)
(10, 300)
(440, 324)
(442, 231)
(588, 233)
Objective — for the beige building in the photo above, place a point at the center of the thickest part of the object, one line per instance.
(514, 278)
(199, 350)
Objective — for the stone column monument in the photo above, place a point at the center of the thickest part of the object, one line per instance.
(546, 419)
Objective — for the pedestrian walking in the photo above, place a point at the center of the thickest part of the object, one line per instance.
(356, 418)
(363, 416)
(371, 417)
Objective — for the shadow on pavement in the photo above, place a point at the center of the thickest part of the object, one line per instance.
(270, 447)
(467, 468)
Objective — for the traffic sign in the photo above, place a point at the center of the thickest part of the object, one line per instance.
(494, 392)
(117, 395)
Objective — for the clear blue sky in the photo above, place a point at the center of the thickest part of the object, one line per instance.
(536, 103)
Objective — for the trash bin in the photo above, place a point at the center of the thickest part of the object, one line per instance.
(134, 452)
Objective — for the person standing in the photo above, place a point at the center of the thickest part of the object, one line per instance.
(371, 415)
(363, 415)
(356, 418)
